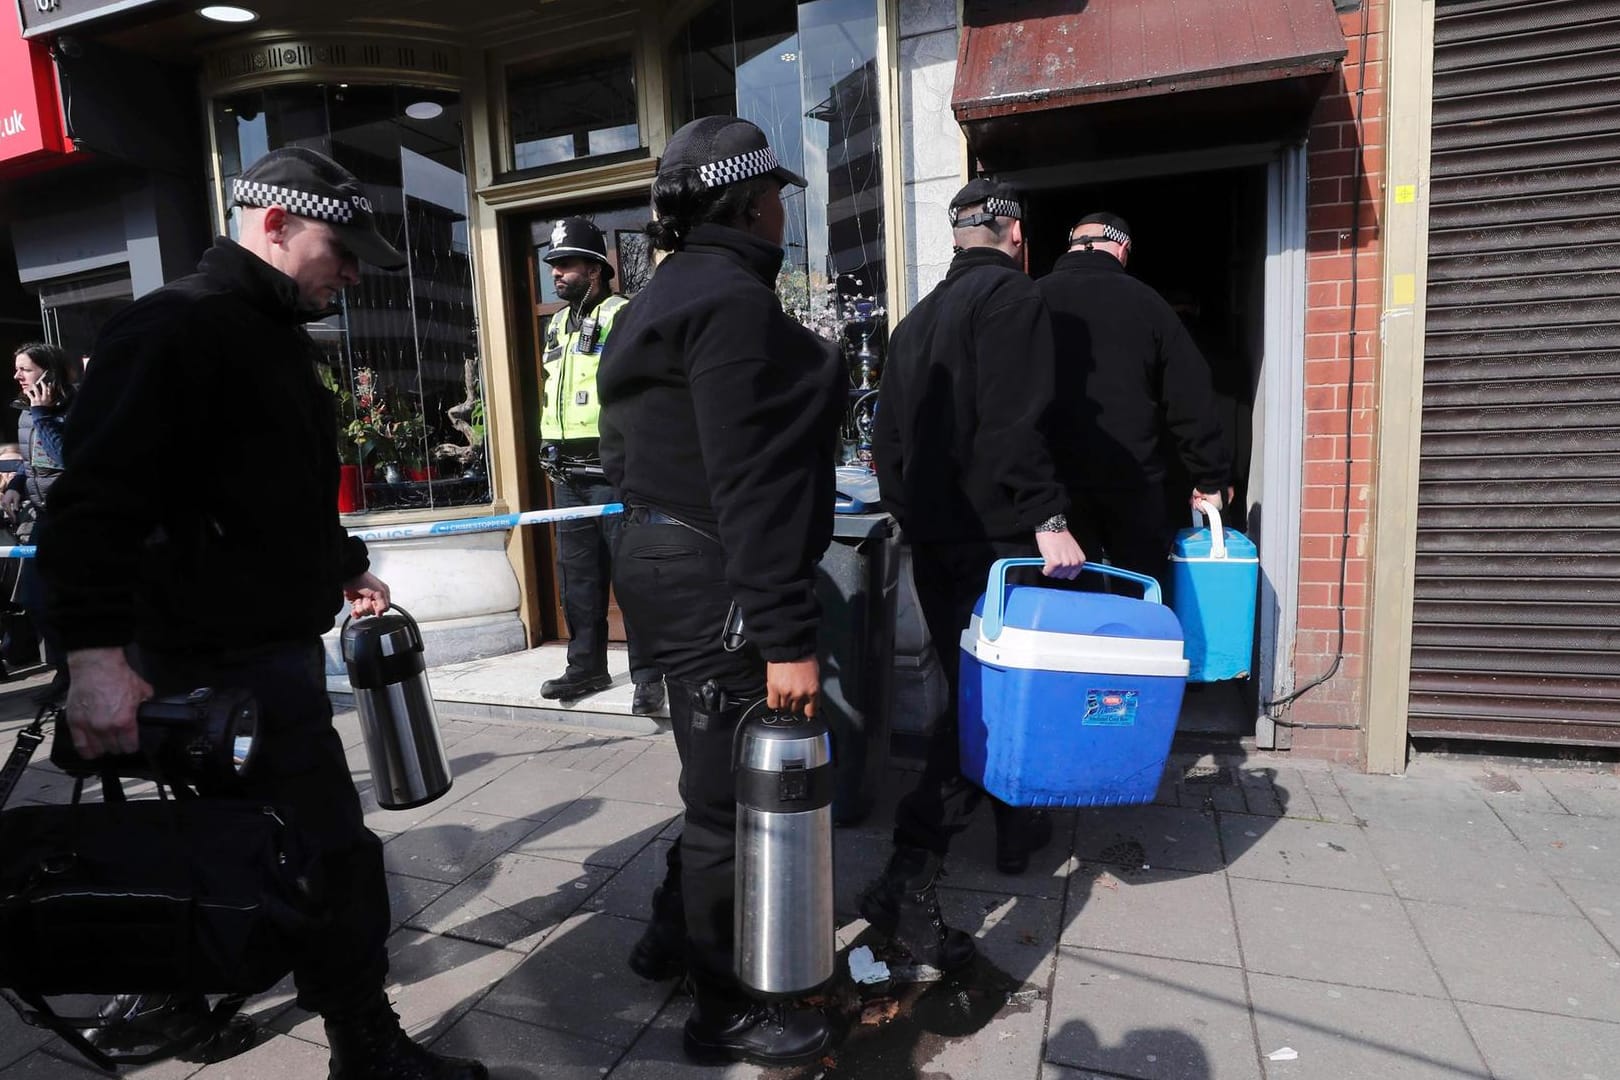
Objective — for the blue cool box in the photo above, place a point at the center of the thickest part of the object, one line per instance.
(1069, 698)
(1213, 589)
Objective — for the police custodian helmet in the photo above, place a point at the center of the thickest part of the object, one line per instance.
(578, 238)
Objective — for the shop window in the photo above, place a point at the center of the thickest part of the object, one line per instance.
(807, 74)
(403, 350)
(562, 114)
(74, 310)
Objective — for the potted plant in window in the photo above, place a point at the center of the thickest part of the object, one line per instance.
(372, 429)
(351, 496)
(373, 448)
(409, 437)
(466, 417)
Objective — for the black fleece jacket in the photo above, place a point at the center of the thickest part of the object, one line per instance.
(720, 410)
(1127, 372)
(960, 434)
(213, 378)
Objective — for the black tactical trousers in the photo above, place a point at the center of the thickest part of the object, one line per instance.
(584, 568)
(950, 578)
(671, 583)
(299, 768)
(1129, 527)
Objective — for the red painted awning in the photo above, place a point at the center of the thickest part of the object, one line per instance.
(1018, 58)
(31, 131)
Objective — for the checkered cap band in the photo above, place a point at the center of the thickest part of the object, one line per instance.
(301, 203)
(741, 167)
(1002, 207)
(1118, 236)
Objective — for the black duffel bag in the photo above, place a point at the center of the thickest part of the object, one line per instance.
(167, 896)
(179, 894)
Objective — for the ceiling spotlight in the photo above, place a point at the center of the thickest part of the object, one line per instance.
(424, 110)
(228, 13)
(788, 57)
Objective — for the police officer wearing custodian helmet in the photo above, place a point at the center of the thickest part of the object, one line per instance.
(719, 424)
(576, 339)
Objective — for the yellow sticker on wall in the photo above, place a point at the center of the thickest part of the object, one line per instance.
(1403, 289)
(1405, 193)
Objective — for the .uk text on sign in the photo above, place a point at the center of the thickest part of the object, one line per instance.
(30, 112)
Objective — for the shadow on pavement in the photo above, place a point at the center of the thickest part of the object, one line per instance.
(1145, 1053)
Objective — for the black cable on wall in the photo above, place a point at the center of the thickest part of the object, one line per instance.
(1359, 173)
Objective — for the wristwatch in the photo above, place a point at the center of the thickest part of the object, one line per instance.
(1055, 523)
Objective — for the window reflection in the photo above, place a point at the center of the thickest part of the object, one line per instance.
(403, 351)
(584, 110)
(74, 311)
(807, 74)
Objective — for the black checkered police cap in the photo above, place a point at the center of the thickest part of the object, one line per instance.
(999, 201)
(1101, 226)
(312, 185)
(579, 238)
(724, 150)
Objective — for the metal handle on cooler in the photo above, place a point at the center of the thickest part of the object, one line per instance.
(995, 593)
(1217, 535)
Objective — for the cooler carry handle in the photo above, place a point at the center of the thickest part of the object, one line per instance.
(995, 594)
(1217, 535)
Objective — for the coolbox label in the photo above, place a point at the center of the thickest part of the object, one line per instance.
(1110, 708)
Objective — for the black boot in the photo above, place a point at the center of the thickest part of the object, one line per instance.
(132, 1022)
(903, 905)
(649, 698)
(755, 1032)
(1020, 833)
(370, 1045)
(574, 684)
(661, 951)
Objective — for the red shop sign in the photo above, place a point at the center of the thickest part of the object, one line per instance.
(30, 109)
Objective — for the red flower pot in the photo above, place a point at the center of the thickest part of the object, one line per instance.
(351, 493)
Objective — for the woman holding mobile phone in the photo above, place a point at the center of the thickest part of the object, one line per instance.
(46, 375)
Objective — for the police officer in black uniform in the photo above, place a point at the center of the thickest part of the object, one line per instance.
(962, 461)
(1128, 375)
(720, 423)
(209, 582)
(576, 340)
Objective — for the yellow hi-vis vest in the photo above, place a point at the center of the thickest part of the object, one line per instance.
(569, 407)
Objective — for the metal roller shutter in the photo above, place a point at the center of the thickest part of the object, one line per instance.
(1516, 624)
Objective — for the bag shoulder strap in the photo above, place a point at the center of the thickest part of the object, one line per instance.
(35, 1011)
(28, 740)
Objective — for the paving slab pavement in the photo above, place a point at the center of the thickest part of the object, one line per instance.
(1460, 921)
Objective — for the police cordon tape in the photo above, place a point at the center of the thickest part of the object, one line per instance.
(491, 523)
(424, 529)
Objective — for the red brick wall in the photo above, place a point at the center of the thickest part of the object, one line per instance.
(1335, 141)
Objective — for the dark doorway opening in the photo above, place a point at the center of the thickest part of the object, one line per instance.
(1199, 239)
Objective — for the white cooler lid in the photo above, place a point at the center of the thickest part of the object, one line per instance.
(1041, 650)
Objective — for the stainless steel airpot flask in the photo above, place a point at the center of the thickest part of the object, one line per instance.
(389, 674)
(784, 898)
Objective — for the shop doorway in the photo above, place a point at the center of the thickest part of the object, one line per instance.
(1200, 238)
(534, 304)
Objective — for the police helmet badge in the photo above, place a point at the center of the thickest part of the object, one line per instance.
(559, 234)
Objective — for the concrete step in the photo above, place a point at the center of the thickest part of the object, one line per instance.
(507, 688)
